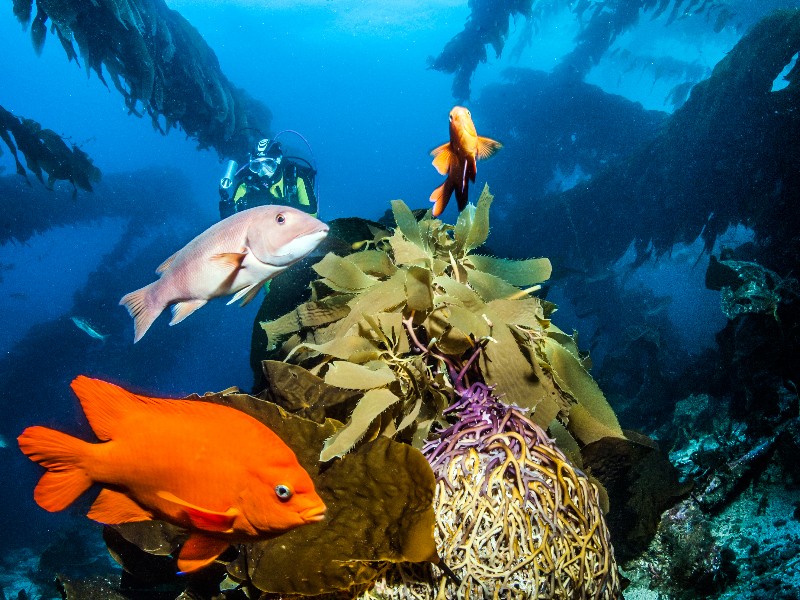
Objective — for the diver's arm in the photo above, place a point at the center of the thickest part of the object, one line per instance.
(306, 194)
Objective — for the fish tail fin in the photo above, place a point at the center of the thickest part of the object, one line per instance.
(142, 308)
(63, 456)
(441, 196)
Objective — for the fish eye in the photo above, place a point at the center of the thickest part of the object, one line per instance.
(280, 219)
(283, 491)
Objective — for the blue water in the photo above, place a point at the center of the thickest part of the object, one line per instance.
(352, 77)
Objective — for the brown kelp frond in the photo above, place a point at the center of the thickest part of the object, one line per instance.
(46, 152)
(392, 321)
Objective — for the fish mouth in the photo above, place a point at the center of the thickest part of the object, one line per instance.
(304, 245)
(320, 233)
(314, 515)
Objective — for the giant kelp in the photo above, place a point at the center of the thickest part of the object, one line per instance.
(400, 320)
(158, 62)
(602, 22)
(46, 152)
(419, 331)
(487, 25)
(729, 155)
(425, 287)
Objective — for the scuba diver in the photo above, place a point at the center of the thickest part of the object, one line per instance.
(269, 177)
(272, 177)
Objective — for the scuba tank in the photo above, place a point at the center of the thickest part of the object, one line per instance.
(226, 204)
(227, 178)
(290, 182)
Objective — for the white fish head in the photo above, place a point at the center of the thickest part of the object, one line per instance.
(282, 235)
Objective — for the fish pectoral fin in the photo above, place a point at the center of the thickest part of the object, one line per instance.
(487, 147)
(112, 508)
(199, 551)
(181, 310)
(248, 293)
(439, 149)
(442, 157)
(203, 518)
(249, 296)
(232, 260)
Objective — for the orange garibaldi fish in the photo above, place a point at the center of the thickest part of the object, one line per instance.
(457, 158)
(218, 472)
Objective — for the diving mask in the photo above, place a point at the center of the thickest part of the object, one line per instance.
(264, 166)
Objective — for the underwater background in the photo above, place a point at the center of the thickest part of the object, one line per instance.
(635, 184)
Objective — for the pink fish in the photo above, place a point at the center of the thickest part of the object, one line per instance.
(235, 256)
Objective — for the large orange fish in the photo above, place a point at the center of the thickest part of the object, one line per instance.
(212, 469)
(457, 159)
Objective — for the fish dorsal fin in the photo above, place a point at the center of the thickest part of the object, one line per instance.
(199, 551)
(105, 404)
(442, 156)
(202, 518)
(232, 260)
(165, 265)
(112, 508)
(487, 147)
(181, 310)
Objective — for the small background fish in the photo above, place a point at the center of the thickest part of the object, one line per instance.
(89, 329)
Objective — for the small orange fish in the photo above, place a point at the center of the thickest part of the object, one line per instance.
(456, 159)
(212, 469)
